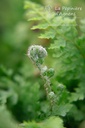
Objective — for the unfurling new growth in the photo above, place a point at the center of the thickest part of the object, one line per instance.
(37, 54)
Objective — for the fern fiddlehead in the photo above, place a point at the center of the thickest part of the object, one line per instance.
(37, 54)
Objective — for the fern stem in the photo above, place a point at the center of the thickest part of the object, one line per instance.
(47, 89)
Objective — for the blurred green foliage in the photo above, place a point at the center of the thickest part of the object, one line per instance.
(52, 122)
(21, 92)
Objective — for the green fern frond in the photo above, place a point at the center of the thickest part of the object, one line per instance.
(52, 122)
(67, 48)
(52, 24)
